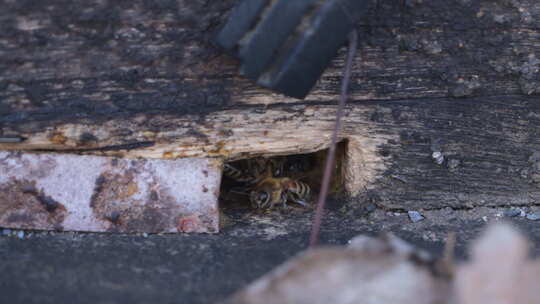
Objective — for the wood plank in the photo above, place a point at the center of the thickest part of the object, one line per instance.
(142, 79)
(488, 145)
(62, 62)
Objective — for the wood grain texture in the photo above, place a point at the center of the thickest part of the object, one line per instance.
(142, 79)
(490, 145)
(64, 60)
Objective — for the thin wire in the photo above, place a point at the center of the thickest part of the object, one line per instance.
(325, 184)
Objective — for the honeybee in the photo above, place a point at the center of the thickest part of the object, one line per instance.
(257, 166)
(298, 191)
(267, 193)
(277, 166)
(257, 169)
(260, 166)
(271, 191)
(237, 175)
(265, 183)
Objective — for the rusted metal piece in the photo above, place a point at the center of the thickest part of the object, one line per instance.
(103, 194)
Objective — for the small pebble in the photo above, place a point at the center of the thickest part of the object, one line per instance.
(533, 216)
(512, 212)
(438, 157)
(415, 216)
(485, 218)
(522, 213)
(145, 235)
(20, 234)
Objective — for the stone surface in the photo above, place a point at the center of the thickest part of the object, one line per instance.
(415, 216)
(56, 267)
(91, 193)
(533, 216)
(512, 212)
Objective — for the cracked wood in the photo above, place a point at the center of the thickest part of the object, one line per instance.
(142, 79)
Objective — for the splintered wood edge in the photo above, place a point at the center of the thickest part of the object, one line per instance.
(228, 135)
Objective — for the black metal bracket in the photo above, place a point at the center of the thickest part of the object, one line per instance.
(286, 45)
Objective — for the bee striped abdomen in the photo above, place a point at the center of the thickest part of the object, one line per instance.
(237, 175)
(298, 192)
(265, 185)
(300, 188)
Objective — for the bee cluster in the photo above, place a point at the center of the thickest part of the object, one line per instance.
(268, 182)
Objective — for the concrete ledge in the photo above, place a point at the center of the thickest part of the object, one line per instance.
(104, 194)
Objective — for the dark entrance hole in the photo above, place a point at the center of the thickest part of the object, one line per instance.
(239, 182)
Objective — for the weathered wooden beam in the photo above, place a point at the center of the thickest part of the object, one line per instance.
(138, 79)
(62, 62)
(487, 145)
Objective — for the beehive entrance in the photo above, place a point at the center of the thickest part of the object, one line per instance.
(237, 183)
